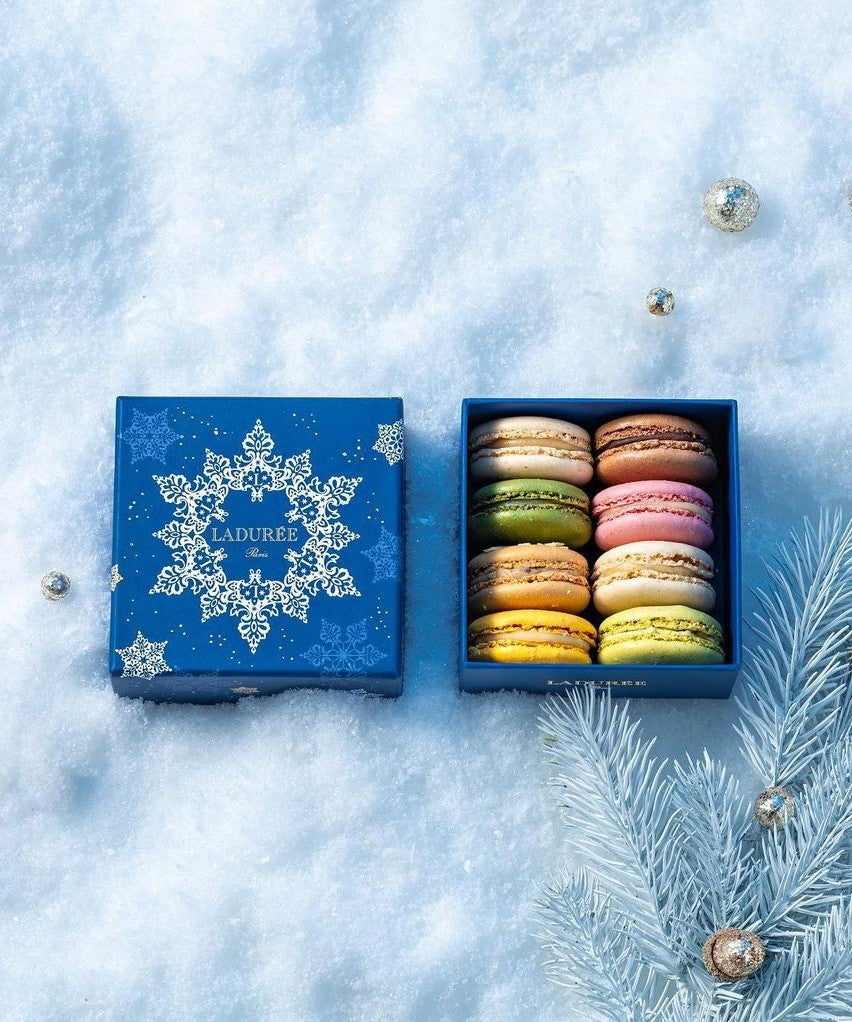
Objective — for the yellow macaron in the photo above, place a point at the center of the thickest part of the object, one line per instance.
(531, 636)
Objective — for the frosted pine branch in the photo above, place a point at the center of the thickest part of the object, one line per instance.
(592, 949)
(687, 1006)
(797, 675)
(812, 982)
(617, 800)
(714, 820)
(806, 866)
(680, 856)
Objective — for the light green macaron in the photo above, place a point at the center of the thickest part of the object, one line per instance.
(660, 635)
(529, 511)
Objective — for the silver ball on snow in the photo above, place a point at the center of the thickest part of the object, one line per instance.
(660, 301)
(731, 204)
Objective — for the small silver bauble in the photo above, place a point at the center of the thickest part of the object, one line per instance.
(773, 807)
(55, 585)
(731, 204)
(731, 954)
(660, 301)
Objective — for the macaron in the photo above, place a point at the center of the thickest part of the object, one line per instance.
(531, 447)
(653, 573)
(637, 447)
(528, 576)
(660, 635)
(531, 636)
(529, 511)
(653, 509)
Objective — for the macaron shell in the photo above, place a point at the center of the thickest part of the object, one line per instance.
(653, 510)
(505, 652)
(546, 576)
(531, 636)
(653, 574)
(531, 446)
(529, 511)
(533, 464)
(654, 446)
(650, 650)
(660, 635)
(660, 462)
(668, 525)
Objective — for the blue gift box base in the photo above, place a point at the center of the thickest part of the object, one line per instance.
(719, 417)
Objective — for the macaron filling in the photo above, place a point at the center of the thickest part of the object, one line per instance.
(692, 441)
(660, 497)
(528, 499)
(533, 637)
(524, 574)
(550, 439)
(674, 567)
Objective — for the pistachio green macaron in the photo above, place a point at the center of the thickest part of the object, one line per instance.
(529, 511)
(660, 635)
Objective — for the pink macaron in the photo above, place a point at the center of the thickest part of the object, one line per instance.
(653, 509)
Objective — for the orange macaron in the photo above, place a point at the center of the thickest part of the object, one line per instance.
(528, 576)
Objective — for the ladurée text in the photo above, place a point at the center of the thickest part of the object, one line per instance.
(281, 534)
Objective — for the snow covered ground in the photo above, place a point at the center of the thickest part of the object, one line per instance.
(436, 199)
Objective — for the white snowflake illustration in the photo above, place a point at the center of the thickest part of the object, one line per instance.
(343, 655)
(385, 556)
(143, 658)
(115, 577)
(150, 436)
(391, 441)
(198, 567)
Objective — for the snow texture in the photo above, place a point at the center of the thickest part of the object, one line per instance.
(436, 199)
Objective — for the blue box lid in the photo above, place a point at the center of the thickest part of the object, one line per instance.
(258, 545)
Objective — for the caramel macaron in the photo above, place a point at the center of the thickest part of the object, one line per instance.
(543, 576)
(654, 446)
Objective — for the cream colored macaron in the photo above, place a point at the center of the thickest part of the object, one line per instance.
(531, 447)
(652, 573)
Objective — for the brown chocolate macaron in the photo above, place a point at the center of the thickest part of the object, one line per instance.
(528, 576)
(654, 446)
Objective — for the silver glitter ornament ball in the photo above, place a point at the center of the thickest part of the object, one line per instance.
(660, 301)
(731, 954)
(55, 585)
(731, 205)
(773, 807)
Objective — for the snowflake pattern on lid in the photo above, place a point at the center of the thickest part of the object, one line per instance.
(391, 441)
(343, 654)
(197, 567)
(143, 658)
(385, 555)
(149, 436)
